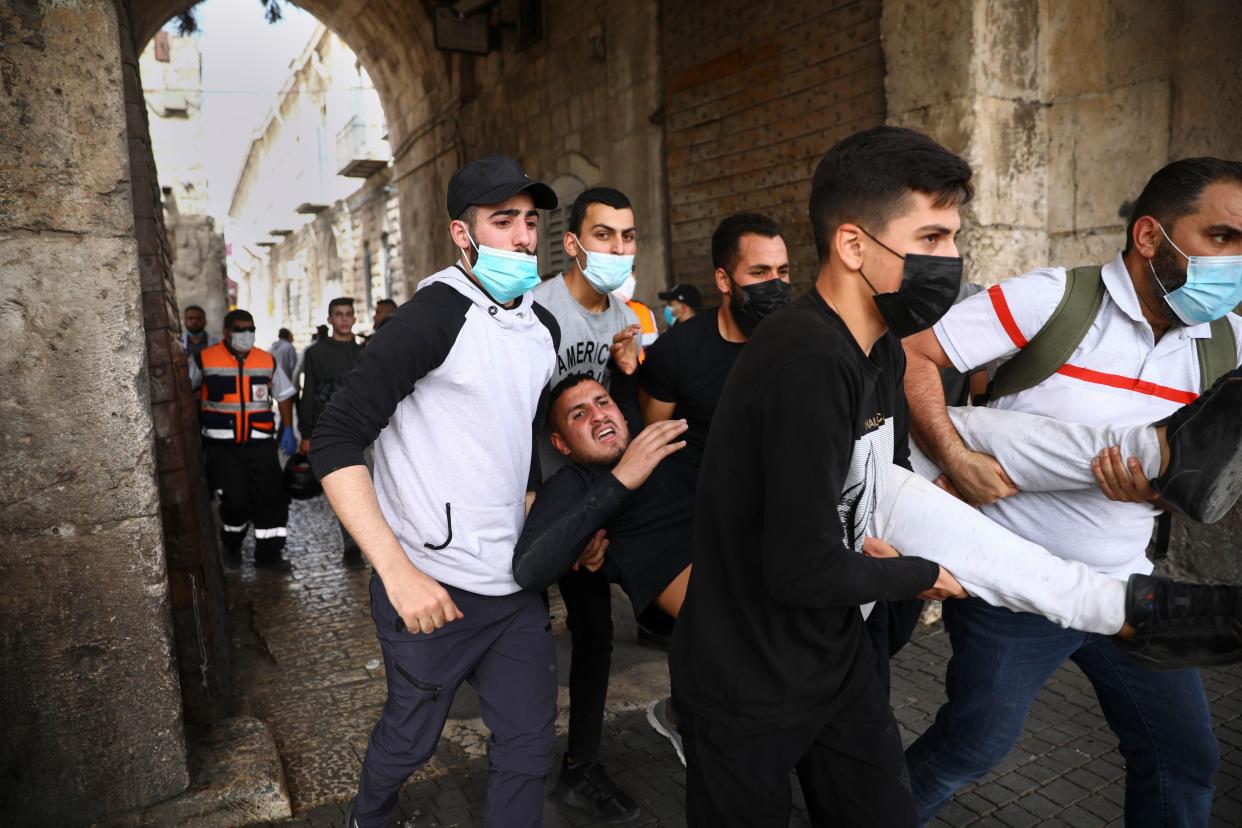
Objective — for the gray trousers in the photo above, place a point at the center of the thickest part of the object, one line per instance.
(503, 648)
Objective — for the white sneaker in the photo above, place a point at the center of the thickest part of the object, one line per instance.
(662, 719)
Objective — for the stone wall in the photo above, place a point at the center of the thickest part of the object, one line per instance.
(198, 262)
(1064, 108)
(755, 94)
(90, 707)
(578, 104)
(328, 257)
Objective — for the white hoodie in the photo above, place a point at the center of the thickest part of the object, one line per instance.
(448, 390)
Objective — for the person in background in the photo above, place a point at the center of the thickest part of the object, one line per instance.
(684, 301)
(194, 336)
(324, 368)
(646, 316)
(598, 339)
(284, 352)
(237, 383)
(384, 308)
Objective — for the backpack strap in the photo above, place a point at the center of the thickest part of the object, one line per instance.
(1218, 354)
(1055, 342)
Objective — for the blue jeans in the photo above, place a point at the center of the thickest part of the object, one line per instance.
(1000, 661)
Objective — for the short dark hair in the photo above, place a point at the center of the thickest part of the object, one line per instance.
(321, 331)
(867, 177)
(615, 199)
(189, 308)
(386, 303)
(727, 240)
(1175, 189)
(341, 301)
(236, 315)
(284, 333)
(559, 390)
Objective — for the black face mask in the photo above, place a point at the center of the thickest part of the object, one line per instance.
(751, 304)
(929, 286)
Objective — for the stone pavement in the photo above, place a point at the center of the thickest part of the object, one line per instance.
(307, 664)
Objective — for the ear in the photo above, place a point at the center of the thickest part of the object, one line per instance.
(847, 246)
(570, 242)
(723, 283)
(1147, 236)
(558, 443)
(461, 238)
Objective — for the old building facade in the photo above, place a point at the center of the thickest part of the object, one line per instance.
(695, 110)
(314, 214)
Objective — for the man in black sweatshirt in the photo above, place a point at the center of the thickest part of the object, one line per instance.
(771, 665)
(327, 362)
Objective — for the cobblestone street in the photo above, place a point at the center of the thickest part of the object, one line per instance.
(308, 665)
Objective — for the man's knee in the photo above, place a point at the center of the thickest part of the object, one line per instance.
(527, 754)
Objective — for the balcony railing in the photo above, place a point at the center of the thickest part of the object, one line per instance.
(360, 150)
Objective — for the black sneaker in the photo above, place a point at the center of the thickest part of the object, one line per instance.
(587, 788)
(276, 563)
(232, 556)
(1182, 625)
(1204, 475)
(352, 558)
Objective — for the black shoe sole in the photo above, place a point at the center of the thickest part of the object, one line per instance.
(1136, 651)
(562, 795)
(1207, 490)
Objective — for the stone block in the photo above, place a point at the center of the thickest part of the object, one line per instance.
(76, 387)
(1010, 162)
(1092, 247)
(1006, 49)
(1096, 46)
(91, 703)
(1103, 148)
(238, 780)
(995, 253)
(928, 52)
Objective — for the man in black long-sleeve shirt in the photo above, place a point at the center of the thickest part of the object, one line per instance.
(771, 665)
(617, 485)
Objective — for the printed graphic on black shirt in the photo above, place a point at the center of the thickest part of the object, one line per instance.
(866, 479)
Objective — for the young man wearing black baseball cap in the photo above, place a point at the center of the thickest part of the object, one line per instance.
(440, 522)
(684, 301)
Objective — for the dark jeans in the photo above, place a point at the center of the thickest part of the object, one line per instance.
(252, 488)
(588, 614)
(1000, 661)
(849, 765)
(503, 647)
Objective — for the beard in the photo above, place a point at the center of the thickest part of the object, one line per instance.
(1167, 275)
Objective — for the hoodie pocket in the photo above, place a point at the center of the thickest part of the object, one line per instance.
(488, 533)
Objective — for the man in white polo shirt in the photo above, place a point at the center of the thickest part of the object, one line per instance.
(1137, 363)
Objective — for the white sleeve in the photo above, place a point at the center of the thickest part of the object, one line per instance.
(282, 386)
(995, 324)
(196, 375)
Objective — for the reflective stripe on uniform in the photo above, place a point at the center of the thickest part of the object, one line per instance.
(238, 529)
(255, 434)
(217, 405)
(264, 534)
(257, 372)
(218, 371)
(218, 433)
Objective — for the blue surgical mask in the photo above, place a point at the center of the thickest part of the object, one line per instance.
(504, 274)
(1213, 287)
(605, 271)
(668, 316)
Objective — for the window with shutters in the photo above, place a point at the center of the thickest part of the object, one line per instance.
(552, 256)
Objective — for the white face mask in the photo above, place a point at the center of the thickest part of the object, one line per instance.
(241, 341)
(626, 292)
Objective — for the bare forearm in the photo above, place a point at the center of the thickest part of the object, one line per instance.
(286, 412)
(352, 495)
(930, 426)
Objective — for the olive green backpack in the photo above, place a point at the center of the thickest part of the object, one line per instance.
(1055, 342)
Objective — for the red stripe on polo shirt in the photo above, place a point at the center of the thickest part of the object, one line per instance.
(1128, 384)
(1005, 316)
